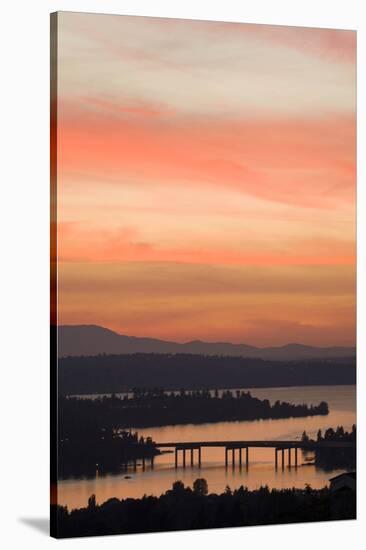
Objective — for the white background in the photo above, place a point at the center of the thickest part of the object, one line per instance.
(24, 309)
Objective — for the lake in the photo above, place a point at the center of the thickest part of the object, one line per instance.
(74, 493)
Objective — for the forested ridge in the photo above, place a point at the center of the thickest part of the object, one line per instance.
(119, 373)
(186, 508)
(158, 408)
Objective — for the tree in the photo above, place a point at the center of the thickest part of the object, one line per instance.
(339, 432)
(178, 486)
(200, 487)
(323, 407)
(228, 490)
(329, 434)
(91, 502)
(319, 435)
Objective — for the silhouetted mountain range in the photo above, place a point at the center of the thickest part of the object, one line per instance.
(91, 340)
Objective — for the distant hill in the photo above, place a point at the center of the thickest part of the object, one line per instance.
(92, 340)
(118, 373)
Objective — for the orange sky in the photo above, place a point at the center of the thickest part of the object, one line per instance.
(206, 179)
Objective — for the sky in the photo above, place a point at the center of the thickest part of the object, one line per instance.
(206, 179)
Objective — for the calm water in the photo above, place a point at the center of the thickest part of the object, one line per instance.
(261, 471)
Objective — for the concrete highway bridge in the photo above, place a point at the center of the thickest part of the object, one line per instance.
(236, 448)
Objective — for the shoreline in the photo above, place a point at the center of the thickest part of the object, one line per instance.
(223, 388)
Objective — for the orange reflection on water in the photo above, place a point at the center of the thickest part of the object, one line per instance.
(261, 470)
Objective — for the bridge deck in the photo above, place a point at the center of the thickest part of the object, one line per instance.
(256, 443)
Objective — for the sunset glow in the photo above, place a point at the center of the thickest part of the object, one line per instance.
(206, 180)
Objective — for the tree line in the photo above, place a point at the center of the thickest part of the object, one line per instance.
(185, 508)
(120, 373)
(329, 458)
(86, 448)
(146, 408)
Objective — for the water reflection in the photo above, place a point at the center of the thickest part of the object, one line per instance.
(145, 479)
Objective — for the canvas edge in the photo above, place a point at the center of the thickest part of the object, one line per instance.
(54, 531)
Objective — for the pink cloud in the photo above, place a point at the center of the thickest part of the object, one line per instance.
(78, 242)
(332, 44)
(305, 162)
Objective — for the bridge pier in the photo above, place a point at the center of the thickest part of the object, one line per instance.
(283, 450)
(289, 457)
(233, 456)
(279, 446)
(184, 458)
(227, 451)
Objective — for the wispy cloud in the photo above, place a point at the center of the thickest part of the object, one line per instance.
(207, 179)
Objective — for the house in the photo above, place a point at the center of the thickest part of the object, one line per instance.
(345, 481)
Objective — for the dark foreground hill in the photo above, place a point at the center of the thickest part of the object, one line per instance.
(77, 340)
(186, 508)
(119, 373)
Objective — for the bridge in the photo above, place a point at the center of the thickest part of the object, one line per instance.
(235, 448)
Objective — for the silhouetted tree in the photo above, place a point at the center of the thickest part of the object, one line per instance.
(178, 487)
(91, 502)
(329, 458)
(200, 486)
(196, 509)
